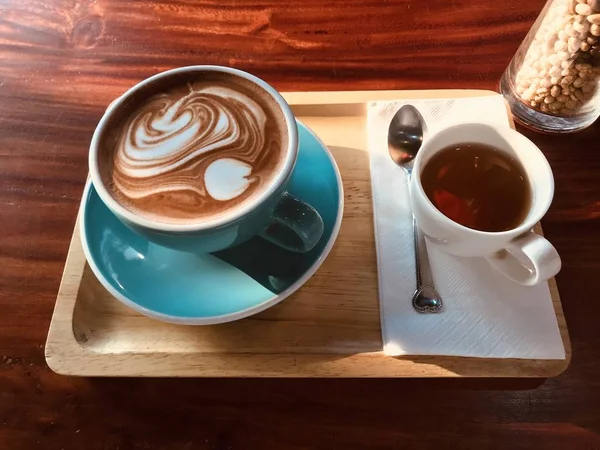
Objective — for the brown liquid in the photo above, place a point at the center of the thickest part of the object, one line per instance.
(478, 187)
(193, 147)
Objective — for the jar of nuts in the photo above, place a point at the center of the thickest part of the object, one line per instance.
(553, 82)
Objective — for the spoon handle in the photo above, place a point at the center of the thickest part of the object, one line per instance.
(422, 266)
(425, 299)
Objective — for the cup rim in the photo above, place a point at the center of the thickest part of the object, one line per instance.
(276, 183)
(528, 224)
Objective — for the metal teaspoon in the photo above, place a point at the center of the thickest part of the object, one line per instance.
(405, 136)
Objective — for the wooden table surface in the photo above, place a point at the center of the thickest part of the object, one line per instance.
(63, 61)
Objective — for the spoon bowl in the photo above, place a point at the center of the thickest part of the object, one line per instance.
(405, 135)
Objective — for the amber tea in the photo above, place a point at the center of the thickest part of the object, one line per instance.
(478, 187)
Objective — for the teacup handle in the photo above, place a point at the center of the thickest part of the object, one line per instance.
(294, 225)
(528, 260)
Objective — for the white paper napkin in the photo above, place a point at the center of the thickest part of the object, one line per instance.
(485, 315)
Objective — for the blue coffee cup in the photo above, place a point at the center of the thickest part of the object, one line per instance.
(274, 214)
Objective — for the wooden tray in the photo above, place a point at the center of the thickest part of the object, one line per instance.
(329, 328)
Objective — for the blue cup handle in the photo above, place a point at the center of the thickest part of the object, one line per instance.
(294, 225)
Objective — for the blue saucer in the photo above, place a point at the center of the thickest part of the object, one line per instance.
(220, 287)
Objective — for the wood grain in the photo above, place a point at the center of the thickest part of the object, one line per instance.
(63, 61)
(329, 328)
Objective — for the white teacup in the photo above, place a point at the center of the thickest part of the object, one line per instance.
(520, 254)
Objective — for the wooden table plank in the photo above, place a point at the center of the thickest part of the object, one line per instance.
(63, 61)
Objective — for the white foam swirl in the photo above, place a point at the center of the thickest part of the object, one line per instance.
(168, 143)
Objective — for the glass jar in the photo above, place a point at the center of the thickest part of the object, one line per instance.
(552, 83)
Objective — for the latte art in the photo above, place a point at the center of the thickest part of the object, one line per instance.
(196, 151)
(179, 136)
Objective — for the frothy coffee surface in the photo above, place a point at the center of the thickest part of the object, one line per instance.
(194, 149)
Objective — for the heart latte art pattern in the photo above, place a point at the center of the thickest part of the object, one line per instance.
(195, 154)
